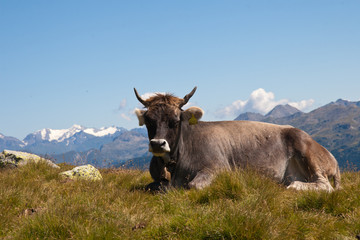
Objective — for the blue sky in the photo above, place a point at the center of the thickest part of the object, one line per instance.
(76, 62)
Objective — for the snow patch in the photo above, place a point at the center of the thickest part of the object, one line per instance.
(60, 135)
(101, 132)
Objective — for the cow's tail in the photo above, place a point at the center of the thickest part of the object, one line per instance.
(337, 178)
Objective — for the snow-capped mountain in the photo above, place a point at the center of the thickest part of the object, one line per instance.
(60, 135)
(78, 144)
(76, 138)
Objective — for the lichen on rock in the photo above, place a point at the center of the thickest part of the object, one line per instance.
(86, 172)
(14, 159)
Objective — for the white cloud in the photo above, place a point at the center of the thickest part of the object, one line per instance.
(259, 101)
(126, 117)
(122, 104)
(302, 105)
(145, 96)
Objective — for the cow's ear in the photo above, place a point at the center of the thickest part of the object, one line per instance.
(193, 115)
(140, 114)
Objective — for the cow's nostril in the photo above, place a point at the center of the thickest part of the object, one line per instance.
(163, 143)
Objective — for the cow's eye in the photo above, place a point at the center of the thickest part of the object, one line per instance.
(173, 124)
(149, 121)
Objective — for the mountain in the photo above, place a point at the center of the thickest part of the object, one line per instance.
(277, 112)
(77, 138)
(249, 116)
(336, 126)
(77, 145)
(127, 145)
(10, 143)
(282, 111)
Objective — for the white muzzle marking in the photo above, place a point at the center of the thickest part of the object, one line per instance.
(159, 147)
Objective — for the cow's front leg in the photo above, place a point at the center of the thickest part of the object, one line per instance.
(201, 180)
(160, 174)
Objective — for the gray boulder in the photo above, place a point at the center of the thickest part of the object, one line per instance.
(10, 159)
(85, 172)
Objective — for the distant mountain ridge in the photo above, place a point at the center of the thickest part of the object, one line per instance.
(127, 145)
(77, 138)
(64, 134)
(278, 111)
(282, 111)
(104, 147)
(249, 116)
(10, 143)
(61, 135)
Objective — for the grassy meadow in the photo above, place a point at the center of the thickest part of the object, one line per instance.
(36, 203)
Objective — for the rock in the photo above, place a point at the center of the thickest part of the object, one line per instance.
(31, 211)
(87, 172)
(17, 159)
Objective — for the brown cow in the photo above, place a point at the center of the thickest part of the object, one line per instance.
(194, 151)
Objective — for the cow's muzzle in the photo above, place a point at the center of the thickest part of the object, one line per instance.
(159, 147)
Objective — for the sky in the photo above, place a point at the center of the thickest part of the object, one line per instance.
(76, 62)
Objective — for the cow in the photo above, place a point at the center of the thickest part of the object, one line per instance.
(188, 152)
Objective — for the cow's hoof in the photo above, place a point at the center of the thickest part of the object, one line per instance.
(157, 186)
(153, 187)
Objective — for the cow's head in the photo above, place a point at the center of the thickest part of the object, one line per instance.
(163, 118)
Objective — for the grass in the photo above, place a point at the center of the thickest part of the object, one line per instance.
(35, 203)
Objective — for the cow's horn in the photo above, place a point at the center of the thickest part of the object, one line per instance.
(187, 97)
(139, 98)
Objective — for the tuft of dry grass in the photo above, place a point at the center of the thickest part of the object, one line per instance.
(35, 203)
